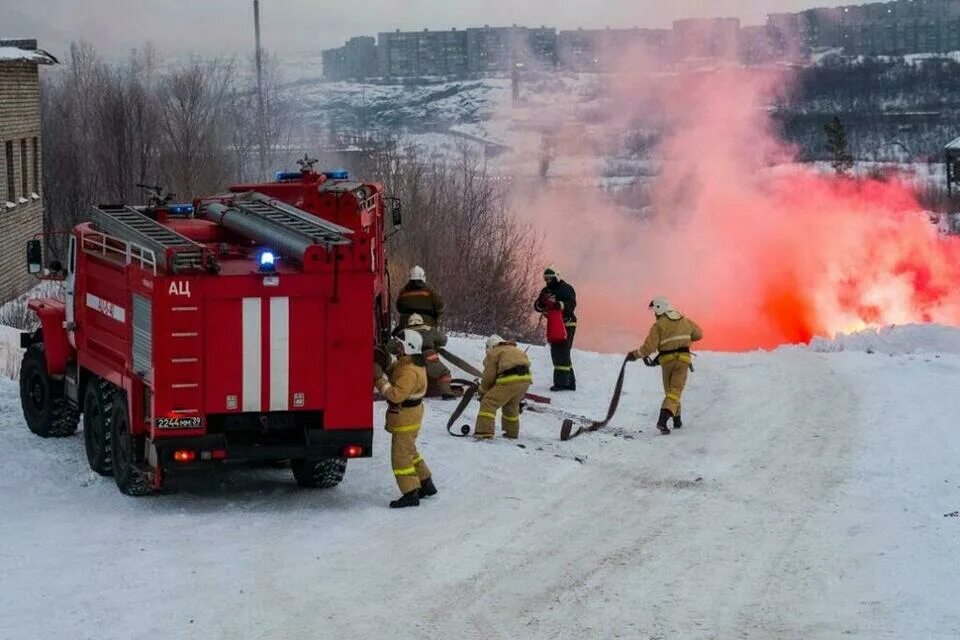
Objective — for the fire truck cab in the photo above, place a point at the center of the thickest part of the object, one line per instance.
(236, 328)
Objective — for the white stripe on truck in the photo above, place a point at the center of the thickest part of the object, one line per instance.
(279, 354)
(251, 354)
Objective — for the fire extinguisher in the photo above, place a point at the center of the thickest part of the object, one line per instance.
(556, 329)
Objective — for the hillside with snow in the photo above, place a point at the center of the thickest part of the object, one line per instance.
(813, 493)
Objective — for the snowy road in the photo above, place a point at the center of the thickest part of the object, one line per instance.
(806, 498)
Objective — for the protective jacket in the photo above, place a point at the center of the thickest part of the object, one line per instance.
(566, 297)
(404, 391)
(418, 297)
(505, 363)
(438, 375)
(671, 339)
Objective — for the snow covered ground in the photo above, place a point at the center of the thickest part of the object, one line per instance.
(809, 496)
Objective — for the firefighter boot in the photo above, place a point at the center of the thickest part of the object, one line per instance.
(662, 421)
(677, 422)
(427, 488)
(409, 499)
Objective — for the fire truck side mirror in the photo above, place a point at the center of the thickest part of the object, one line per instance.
(396, 212)
(34, 257)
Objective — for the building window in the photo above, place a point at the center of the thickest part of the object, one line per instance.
(24, 189)
(36, 165)
(11, 187)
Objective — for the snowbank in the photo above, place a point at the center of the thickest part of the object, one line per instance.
(911, 338)
(10, 353)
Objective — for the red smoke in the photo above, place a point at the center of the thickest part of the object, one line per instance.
(759, 251)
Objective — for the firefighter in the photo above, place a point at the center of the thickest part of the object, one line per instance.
(506, 378)
(557, 294)
(438, 375)
(404, 390)
(670, 337)
(418, 297)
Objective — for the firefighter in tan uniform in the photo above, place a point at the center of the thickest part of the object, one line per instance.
(404, 390)
(670, 337)
(438, 375)
(506, 378)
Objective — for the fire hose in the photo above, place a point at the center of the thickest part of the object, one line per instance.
(566, 429)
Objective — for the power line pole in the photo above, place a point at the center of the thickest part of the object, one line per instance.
(261, 116)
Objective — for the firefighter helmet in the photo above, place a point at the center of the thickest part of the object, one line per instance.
(662, 307)
(551, 272)
(412, 343)
(415, 320)
(493, 341)
(417, 273)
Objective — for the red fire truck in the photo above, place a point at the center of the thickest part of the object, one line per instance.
(236, 328)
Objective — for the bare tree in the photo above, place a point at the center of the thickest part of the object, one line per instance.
(193, 129)
(194, 119)
(458, 227)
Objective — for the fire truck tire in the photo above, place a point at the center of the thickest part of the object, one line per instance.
(97, 409)
(45, 406)
(126, 470)
(319, 474)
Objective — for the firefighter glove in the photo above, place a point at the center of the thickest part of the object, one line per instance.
(632, 356)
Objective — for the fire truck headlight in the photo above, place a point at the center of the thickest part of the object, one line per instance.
(267, 261)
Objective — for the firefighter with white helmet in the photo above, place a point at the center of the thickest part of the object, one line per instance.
(404, 389)
(438, 375)
(506, 379)
(559, 294)
(670, 338)
(418, 297)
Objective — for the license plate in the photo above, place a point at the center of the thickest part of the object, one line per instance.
(193, 422)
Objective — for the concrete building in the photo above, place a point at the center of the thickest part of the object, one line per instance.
(493, 49)
(952, 160)
(606, 49)
(901, 27)
(706, 38)
(21, 183)
(422, 53)
(755, 46)
(355, 59)
(880, 28)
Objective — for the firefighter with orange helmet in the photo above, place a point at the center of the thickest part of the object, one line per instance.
(438, 375)
(404, 389)
(558, 294)
(670, 338)
(506, 378)
(418, 297)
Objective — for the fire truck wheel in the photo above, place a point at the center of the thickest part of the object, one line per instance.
(96, 426)
(319, 474)
(45, 407)
(126, 470)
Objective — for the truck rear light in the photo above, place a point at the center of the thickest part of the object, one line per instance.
(352, 451)
(184, 455)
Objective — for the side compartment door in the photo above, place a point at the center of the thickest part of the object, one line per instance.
(71, 284)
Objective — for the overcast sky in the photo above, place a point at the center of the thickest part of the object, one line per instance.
(176, 26)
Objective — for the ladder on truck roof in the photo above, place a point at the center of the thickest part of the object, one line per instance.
(174, 252)
(280, 214)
